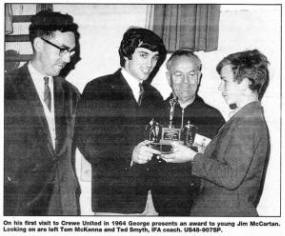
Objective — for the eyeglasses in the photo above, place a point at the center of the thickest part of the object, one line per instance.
(62, 50)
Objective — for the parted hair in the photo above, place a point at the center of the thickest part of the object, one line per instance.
(136, 37)
(46, 22)
(250, 64)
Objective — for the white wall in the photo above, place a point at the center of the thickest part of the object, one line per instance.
(101, 28)
(241, 27)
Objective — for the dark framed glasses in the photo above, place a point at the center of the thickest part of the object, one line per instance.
(63, 51)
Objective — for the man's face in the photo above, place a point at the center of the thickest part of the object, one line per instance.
(231, 90)
(184, 78)
(142, 63)
(55, 52)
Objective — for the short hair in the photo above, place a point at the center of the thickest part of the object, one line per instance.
(187, 53)
(250, 64)
(46, 22)
(136, 37)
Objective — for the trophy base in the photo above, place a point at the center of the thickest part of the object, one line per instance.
(163, 148)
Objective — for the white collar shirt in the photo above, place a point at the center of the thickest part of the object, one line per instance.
(185, 104)
(38, 80)
(133, 82)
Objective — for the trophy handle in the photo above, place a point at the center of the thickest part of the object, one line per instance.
(172, 103)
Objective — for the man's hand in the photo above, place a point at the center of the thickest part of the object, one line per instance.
(180, 154)
(143, 153)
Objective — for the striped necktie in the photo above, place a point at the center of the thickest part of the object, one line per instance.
(141, 94)
(47, 93)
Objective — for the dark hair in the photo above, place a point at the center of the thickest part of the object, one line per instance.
(139, 37)
(46, 22)
(250, 64)
(184, 52)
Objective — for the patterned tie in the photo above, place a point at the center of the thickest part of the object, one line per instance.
(47, 93)
(141, 94)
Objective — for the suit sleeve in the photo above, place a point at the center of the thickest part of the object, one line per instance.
(86, 133)
(98, 130)
(230, 169)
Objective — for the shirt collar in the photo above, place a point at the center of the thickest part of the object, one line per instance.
(131, 80)
(185, 104)
(36, 74)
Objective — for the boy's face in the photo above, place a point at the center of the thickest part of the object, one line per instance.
(142, 63)
(232, 91)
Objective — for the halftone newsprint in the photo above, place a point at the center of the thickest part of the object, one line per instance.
(104, 143)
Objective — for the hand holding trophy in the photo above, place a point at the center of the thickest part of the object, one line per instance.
(162, 137)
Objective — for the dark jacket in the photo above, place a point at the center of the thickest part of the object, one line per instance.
(38, 179)
(175, 188)
(234, 166)
(109, 125)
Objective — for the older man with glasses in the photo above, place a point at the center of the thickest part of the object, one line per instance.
(39, 119)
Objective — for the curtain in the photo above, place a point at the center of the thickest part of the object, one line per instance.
(44, 6)
(187, 26)
(8, 19)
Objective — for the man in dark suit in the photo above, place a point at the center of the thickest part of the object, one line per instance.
(176, 188)
(39, 120)
(235, 162)
(111, 118)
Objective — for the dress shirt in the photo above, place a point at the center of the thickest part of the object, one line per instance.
(133, 82)
(38, 80)
(185, 104)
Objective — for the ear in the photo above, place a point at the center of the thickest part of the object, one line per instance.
(168, 78)
(38, 44)
(245, 83)
(199, 76)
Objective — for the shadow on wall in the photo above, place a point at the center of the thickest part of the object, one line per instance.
(11, 64)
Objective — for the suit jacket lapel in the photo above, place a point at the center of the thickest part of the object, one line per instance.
(28, 91)
(125, 88)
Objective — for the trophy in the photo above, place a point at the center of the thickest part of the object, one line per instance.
(162, 136)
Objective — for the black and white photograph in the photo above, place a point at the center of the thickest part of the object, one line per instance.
(142, 118)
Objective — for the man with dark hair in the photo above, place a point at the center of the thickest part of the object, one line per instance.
(176, 188)
(234, 164)
(39, 118)
(111, 118)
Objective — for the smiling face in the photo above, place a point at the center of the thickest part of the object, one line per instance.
(184, 77)
(49, 60)
(142, 63)
(231, 90)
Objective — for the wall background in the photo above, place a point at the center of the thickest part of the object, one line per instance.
(241, 27)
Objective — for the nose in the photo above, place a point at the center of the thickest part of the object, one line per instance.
(149, 62)
(185, 79)
(66, 57)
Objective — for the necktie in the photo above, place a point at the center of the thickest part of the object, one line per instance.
(47, 93)
(141, 94)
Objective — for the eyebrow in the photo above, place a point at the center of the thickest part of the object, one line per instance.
(68, 48)
(143, 51)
